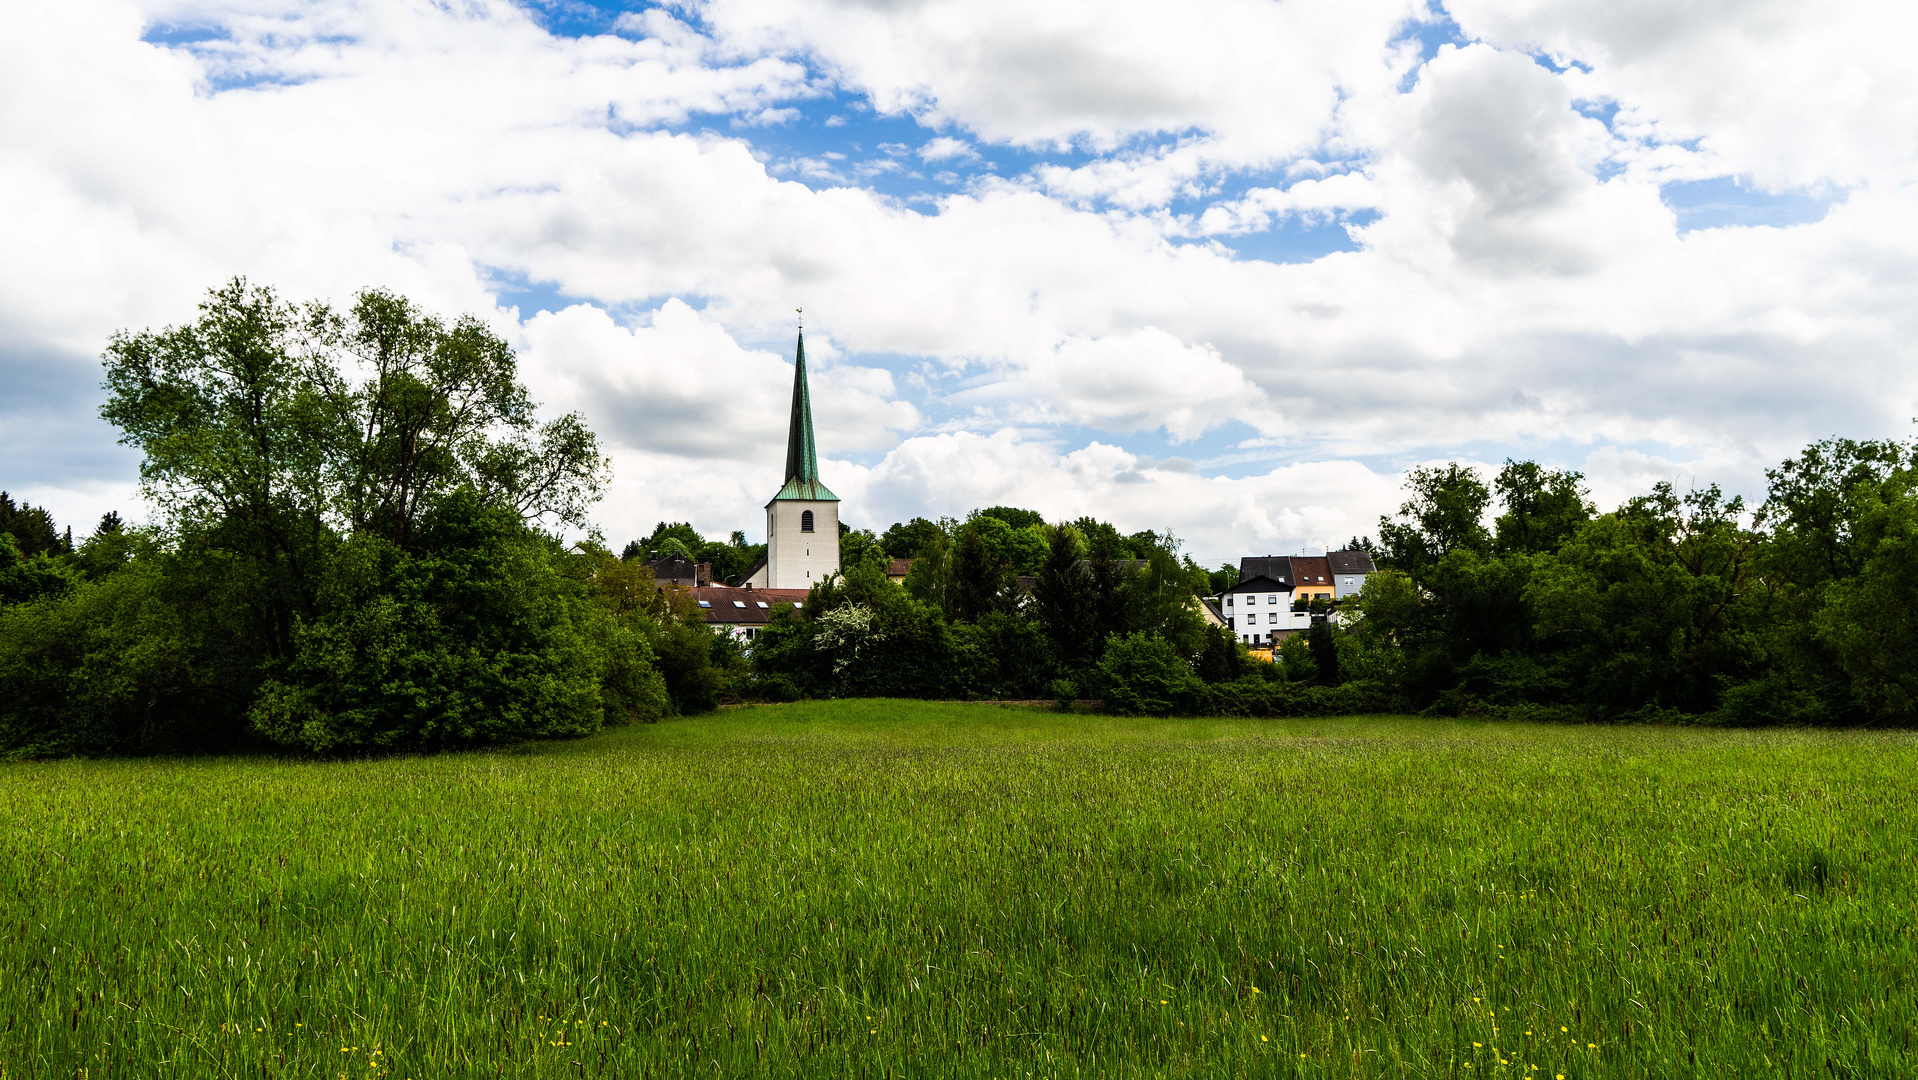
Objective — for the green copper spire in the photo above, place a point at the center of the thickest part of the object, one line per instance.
(802, 453)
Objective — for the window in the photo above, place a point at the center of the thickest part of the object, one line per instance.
(739, 603)
(705, 603)
(1273, 599)
(805, 521)
(762, 605)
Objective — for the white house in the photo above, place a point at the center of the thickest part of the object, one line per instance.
(1259, 610)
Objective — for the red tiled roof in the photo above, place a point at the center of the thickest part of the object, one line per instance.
(720, 604)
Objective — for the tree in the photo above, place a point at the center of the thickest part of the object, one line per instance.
(1325, 653)
(930, 579)
(32, 528)
(1142, 674)
(859, 545)
(29, 577)
(471, 636)
(675, 538)
(1543, 507)
(1015, 517)
(244, 424)
(910, 540)
(1651, 607)
(984, 577)
(1062, 598)
(1446, 511)
(358, 495)
(1818, 503)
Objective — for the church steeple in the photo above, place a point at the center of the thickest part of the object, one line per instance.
(802, 452)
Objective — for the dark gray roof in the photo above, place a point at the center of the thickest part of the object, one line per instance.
(1276, 567)
(1350, 562)
(1259, 583)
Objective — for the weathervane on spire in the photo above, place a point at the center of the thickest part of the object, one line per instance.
(802, 317)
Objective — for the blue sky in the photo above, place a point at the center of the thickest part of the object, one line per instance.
(1228, 274)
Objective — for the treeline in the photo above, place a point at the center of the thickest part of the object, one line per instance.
(354, 549)
(1004, 606)
(1674, 607)
(1503, 596)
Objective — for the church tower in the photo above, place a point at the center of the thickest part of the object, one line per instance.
(802, 521)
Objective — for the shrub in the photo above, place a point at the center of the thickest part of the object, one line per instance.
(478, 639)
(1063, 691)
(1141, 674)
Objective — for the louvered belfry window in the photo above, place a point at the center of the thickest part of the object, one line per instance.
(805, 521)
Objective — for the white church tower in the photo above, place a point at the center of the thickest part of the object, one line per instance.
(802, 521)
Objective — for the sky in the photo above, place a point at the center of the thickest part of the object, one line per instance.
(1225, 268)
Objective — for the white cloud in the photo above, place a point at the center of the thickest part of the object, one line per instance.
(1266, 77)
(1521, 282)
(1792, 94)
(1287, 509)
(682, 385)
(947, 148)
(1142, 380)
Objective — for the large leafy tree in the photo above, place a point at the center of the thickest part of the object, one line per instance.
(1542, 507)
(360, 492)
(1652, 606)
(1445, 513)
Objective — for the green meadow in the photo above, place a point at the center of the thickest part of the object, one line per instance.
(897, 889)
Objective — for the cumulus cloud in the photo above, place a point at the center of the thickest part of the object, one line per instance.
(1293, 507)
(1791, 94)
(682, 385)
(1519, 280)
(947, 148)
(1141, 380)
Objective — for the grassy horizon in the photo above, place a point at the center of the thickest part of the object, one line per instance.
(872, 888)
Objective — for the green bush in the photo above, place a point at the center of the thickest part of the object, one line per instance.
(136, 662)
(476, 639)
(1063, 691)
(1142, 674)
(1259, 697)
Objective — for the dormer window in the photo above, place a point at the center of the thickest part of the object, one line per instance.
(805, 521)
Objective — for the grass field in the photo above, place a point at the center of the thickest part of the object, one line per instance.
(903, 889)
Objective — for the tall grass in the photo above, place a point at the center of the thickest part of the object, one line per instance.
(909, 889)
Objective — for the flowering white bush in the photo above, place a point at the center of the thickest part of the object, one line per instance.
(844, 632)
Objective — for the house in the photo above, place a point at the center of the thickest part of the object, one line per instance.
(1291, 581)
(1311, 578)
(1259, 610)
(743, 612)
(896, 573)
(1209, 611)
(680, 571)
(1348, 571)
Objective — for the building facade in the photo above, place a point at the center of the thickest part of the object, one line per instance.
(1348, 571)
(1259, 610)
